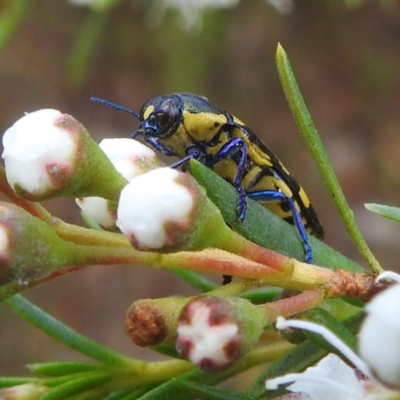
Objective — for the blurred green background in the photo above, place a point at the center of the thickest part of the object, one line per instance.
(346, 56)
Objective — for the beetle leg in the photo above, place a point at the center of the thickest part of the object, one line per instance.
(229, 150)
(272, 195)
(193, 152)
(241, 203)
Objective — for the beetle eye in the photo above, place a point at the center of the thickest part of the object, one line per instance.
(167, 117)
(164, 119)
(153, 119)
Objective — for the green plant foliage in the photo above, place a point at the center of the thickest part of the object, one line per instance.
(113, 376)
(388, 212)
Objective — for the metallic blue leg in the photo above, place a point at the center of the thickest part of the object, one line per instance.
(193, 153)
(241, 203)
(271, 195)
(230, 149)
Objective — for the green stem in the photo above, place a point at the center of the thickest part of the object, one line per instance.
(84, 46)
(68, 336)
(168, 370)
(159, 371)
(306, 126)
(89, 237)
(260, 355)
(9, 382)
(11, 18)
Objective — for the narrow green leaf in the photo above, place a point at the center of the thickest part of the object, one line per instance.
(261, 295)
(76, 386)
(307, 129)
(121, 394)
(9, 382)
(93, 394)
(134, 394)
(171, 390)
(12, 14)
(66, 335)
(384, 211)
(84, 46)
(194, 279)
(341, 308)
(264, 228)
(195, 390)
(62, 368)
(322, 317)
(55, 381)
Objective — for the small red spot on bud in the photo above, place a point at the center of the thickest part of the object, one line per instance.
(233, 349)
(209, 366)
(184, 347)
(58, 174)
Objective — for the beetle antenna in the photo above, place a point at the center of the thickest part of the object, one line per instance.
(114, 105)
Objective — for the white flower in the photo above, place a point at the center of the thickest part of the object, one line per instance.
(379, 339)
(389, 275)
(94, 4)
(191, 10)
(130, 158)
(282, 323)
(154, 209)
(332, 378)
(37, 151)
(208, 334)
(282, 6)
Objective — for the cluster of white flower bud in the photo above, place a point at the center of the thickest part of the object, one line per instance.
(121, 184)
(48, 153)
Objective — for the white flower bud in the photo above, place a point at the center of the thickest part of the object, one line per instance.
(155, 209)
(48, 154)
(379, 338)
(208, 334)
(130, 158)
(98, 210)
(36, 151)
(214, 332)
(4, 239)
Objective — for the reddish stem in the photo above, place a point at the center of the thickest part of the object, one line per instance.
(292, 305)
